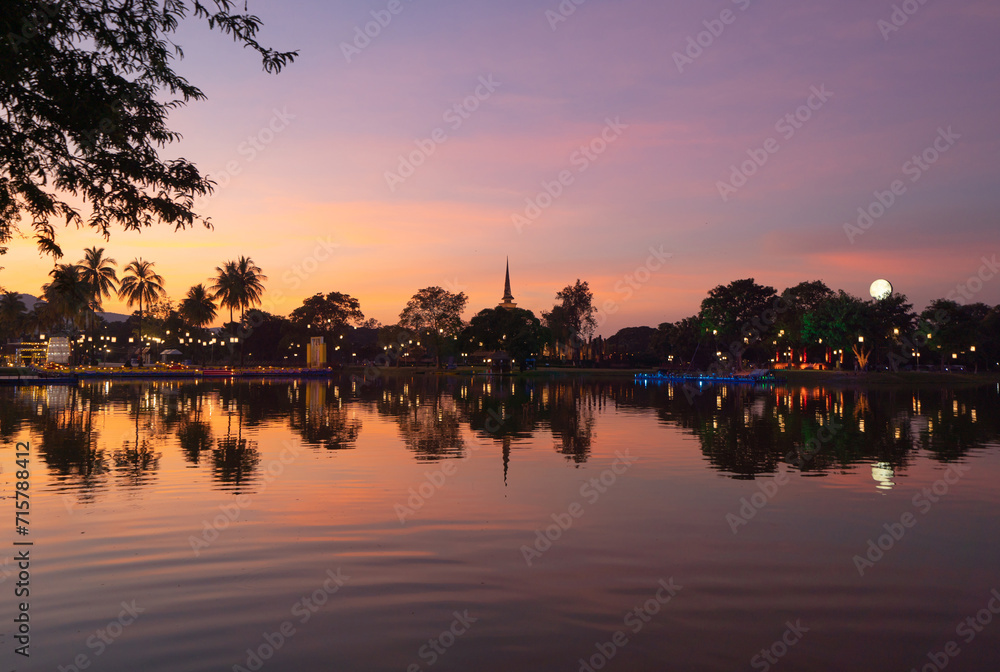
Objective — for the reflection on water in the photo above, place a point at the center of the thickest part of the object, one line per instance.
(743, 431)
(280, 482)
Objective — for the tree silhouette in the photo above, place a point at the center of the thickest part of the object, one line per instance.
(197, 308)
(572, 320)
(515, 331)
(68, 295)
(328, 313)
(85, 91)
(435, 312)
(98, 272)
(239, 284)
(12, 315)
(728, 310)
(140, 283)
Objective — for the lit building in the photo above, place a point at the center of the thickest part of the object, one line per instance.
(58, 351)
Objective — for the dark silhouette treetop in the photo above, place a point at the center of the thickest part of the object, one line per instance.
(573, 318)
(808, 295)
(838, 321)
(85, 89)
(328, 313)
(434, 309)
(514, 330)
(728, 308)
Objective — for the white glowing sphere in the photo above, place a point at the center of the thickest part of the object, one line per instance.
(880, 289)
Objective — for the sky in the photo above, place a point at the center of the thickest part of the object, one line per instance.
(652, 149)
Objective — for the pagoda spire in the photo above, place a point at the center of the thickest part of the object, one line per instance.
(508, 298)
(506, 284)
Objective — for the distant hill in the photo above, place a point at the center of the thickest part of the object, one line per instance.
(30, 301)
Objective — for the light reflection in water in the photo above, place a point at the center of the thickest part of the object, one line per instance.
(143, 465)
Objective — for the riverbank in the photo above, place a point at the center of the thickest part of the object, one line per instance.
(793, 377)
(545, 372)
(796, 378)
(889, 378)
(73, 375)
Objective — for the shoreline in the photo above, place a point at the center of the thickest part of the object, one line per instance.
(792, 377)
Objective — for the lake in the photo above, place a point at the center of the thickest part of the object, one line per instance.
(441, 522)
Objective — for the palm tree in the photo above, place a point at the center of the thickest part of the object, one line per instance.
(68, 295)
(12, 313)
(198, 308)
(239, 284)
(251, 281)
(140, 283)
(226, 288)
(39, 318)
(99, 273)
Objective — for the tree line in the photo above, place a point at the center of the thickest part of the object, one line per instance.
(430, 327)
(71, 302)
(747, 324)
(739, 325)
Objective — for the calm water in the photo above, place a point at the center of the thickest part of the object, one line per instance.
(451, 523)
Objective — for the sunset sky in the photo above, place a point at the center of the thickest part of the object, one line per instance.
(313, 206)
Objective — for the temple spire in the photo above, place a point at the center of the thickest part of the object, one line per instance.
(508, 298)
(506, 284)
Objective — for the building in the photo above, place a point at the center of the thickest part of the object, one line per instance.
(508, 298)
(24, 354)
(59, 350)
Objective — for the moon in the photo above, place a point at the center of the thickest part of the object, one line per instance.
(880, 289)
